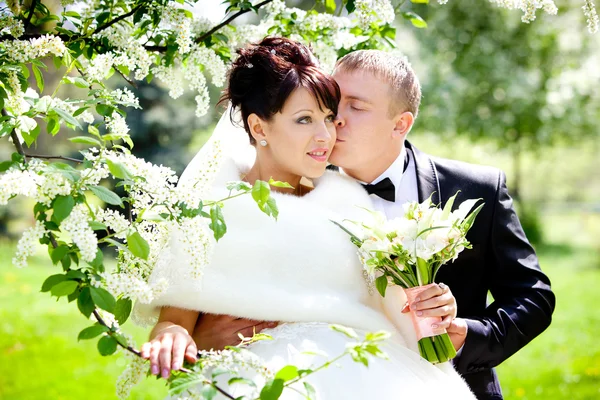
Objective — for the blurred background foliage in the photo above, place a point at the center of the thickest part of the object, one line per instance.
(521, 97)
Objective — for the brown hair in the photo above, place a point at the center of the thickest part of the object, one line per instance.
(265, 74)
(405, 88)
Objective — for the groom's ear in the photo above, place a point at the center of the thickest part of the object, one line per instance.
(257, 127)
(404, 123)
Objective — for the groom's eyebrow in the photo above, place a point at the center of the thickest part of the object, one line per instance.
(357, 98)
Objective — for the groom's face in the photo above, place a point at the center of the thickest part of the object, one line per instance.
(365, 127)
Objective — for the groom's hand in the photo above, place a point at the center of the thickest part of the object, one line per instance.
(217, 331)
(458, 332)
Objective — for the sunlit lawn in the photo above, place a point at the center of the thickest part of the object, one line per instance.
(41, 358)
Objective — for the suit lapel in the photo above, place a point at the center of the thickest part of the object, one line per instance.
(428, 183)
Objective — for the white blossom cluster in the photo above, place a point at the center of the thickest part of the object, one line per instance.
(181, 24)
(369, 11)
(25, 50)
(131, 53)
(78, 227)
(50, 185)
(236, 362)
(9, 25)
(27, 244)
(117, 125)
(133, 287)
(529, 7)
(15, 182)
(589, 9)
(198, 242)
(114, 220)
(134, 373)
(15, 102)
(158, 184)
(125, 96)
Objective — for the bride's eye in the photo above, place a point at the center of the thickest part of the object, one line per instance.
(330, 118)
(304, 120)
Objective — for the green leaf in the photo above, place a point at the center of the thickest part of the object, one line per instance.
(118, 170)
(330, 6)
(271, 208)
(138, 245)
(85, 140)
(287, 373)
(53, 126)
(67, 117)
(104, 110)
(64, 288)
(311, 393)
(102, 298)
(350, 6)
(238, 186)
(91, 332)
(381, 284)
(123, 310)
(280, 184)
(349, 332)
(217, 222)
(106, 195)
(261, 192)
(415, 19)
(62, 205)
(39, 78)
(97, 261)
(92, 130)
(107, 345)
(97, 226)
(51, 281)
(448, 207)
(59, 253)
(243, 381)
(423, 273)
(420, 1)
(85, 302)
(208, 392)
(272, 390)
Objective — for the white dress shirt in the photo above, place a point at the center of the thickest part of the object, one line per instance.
(405, 183)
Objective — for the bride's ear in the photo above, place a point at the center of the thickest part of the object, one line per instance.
(257, 127)
(404, 123)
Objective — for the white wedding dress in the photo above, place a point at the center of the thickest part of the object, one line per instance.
(303, 270)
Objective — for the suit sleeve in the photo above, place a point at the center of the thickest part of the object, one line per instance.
(523, 301)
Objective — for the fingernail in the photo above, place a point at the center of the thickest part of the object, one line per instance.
(272, 324)
(176, 366)
(419, 313)
(417, 299)
(166, 373)
(154, 370)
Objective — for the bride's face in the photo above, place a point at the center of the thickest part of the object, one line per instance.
(300, 137)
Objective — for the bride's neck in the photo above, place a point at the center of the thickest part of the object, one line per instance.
(264, 172)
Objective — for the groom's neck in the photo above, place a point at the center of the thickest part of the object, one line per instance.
(368, 172)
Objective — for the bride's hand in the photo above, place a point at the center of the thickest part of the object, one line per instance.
(168, 349)
(435, 301)
(217, 331)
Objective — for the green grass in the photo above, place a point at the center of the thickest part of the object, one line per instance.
(41, 358)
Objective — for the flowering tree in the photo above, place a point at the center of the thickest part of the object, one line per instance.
(90, 41)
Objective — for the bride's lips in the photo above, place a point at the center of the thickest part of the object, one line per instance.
(319, 155)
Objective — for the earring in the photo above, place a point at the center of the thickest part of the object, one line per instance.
(263, 143)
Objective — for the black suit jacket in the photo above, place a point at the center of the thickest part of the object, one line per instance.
(502, 262)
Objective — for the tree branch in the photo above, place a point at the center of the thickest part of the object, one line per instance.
(228, 20)
(31, 11)
(48, 157)
(118, 19)
(15, 139)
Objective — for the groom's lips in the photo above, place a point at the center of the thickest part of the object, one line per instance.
(319, 155)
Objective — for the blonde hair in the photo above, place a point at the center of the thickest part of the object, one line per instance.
(405, 89)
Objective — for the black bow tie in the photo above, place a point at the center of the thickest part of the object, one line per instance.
(384, 189)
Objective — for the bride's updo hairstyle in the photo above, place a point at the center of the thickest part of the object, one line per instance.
(265, 74)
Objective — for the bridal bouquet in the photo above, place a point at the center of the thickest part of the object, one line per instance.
(408, 251)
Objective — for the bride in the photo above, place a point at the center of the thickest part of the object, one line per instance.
(301, 270)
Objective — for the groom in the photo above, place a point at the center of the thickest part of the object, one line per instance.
(380, 101)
